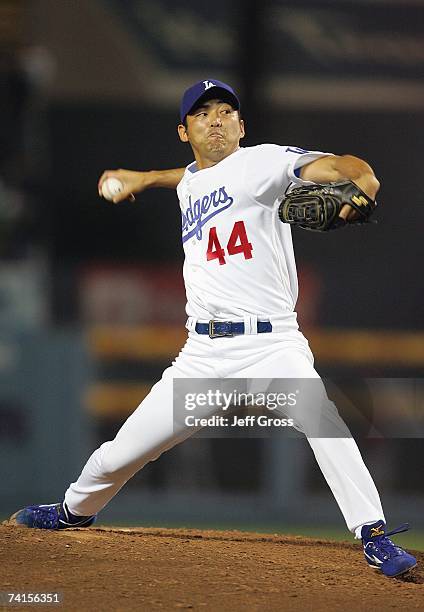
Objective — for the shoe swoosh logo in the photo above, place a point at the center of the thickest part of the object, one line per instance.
(76, 524)
(373, 558)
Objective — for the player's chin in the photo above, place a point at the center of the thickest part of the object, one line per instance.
(217, 145)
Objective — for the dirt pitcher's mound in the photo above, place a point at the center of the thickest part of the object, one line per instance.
(162, 569)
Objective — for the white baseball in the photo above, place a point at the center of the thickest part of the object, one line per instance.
(111, 187)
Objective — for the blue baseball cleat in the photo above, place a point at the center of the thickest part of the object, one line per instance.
(382, 554)
(50, 516)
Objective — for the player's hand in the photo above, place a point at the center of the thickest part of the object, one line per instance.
(133, 182)
(348, 213)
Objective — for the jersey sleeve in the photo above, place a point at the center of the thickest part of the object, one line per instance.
(271, 168)
(180, 185)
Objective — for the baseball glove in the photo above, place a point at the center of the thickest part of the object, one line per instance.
(317, 207)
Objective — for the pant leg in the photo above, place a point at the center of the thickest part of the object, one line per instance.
(338, 456)
(146, 434)
(349, 479)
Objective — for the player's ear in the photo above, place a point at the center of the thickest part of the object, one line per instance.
(182, 133)
(242, 130)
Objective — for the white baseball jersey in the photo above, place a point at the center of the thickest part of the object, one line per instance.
(239, 257)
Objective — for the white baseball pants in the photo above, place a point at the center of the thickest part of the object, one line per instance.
(149, 431)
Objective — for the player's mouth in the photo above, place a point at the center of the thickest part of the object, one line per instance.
(216, 134)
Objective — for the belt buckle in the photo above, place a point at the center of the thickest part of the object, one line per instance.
(222, 334)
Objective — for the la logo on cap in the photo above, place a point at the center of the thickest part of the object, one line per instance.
(208, 84)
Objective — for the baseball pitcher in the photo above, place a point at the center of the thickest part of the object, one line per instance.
(237, 207)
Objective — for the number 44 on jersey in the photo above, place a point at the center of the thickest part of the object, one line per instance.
(237, 243)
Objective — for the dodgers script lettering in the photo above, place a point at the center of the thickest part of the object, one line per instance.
(199, 212)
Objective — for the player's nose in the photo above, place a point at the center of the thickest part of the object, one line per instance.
(216, 121)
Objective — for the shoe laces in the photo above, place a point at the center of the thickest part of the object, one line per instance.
(46, 517)
(387, 547)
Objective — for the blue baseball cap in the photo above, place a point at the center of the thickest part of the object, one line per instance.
(210, 88)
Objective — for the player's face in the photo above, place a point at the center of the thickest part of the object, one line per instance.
(213, 131)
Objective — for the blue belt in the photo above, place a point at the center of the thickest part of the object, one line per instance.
(219, 329)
